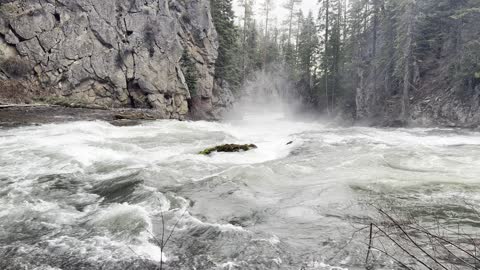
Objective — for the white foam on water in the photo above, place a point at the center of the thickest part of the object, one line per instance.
(298, 185)
(319, 265)
(229, 265)
(193, 221)
(46, 267)
(402, 137)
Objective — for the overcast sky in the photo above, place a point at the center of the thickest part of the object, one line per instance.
(279, 12)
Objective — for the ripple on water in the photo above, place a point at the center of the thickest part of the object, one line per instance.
(89, 195)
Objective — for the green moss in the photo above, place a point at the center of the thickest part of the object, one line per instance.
(228, 148)
(7, 10)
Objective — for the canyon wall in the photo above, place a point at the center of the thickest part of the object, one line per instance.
(111, 54)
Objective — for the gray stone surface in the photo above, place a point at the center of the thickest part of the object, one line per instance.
(115, 53)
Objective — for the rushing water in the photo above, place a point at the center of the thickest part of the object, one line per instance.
(90, 195)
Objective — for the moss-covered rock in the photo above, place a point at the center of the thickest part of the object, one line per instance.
(228, 148)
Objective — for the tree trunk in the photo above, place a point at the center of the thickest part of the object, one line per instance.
(408, 59)
(374, 51)
(290, 22)
(327, 14)
(336, 63)
(244, 45)
(267, 10)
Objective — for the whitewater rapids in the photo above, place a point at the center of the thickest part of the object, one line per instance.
(90, 195)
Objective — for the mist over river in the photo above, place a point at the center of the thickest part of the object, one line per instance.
(90, 195)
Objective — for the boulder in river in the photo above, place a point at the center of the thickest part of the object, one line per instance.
(229, 148)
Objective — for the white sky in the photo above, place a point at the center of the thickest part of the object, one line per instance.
(279, 12)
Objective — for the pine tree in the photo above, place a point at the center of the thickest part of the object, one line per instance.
(267, 7)
(307, 50)
(248, 27)
(292, 7)
(326, 56)
(226, 67)
(307, 47)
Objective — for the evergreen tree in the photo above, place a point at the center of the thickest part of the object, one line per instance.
(307, 50)
(226, 67)
(332, 25)
(292, 7)
(248, 26)
(267, 7)
(365, 53)
(273, 53)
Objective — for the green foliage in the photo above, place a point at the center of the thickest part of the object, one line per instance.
(250, 52)
(290, 58)
(468, 65)
(307, 46)
(15, 67)
(8, 9)
(459, 14)
(190, 72)
(273, 54)
(227, 65)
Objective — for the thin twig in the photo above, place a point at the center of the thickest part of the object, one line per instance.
(162, 243)
(449, 242)
(349, 241)
(393, 258)
(175, 226)
(369, 244)
(402, 248)
(410, 239)
(146, 266)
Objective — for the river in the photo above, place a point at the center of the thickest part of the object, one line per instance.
(90, 195)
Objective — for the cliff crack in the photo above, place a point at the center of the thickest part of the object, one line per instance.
(20, 38)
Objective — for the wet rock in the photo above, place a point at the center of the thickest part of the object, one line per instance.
(398, 123)
(125, 123)
(223, 99)
(228, 148)
(134, 116)
(22, 115)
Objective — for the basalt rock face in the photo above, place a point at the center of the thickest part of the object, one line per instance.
(112, 53)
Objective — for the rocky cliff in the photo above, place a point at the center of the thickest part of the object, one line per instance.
(111, 53)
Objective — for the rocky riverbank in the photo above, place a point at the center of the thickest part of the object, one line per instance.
(15, 116)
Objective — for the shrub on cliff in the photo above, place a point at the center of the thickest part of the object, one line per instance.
(15, 67)
(190, 72)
